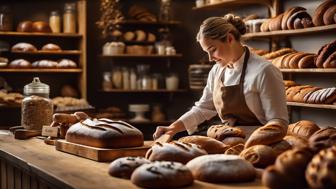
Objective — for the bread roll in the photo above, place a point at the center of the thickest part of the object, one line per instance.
(323, 138)
(105, 133)
(220, 132)
(174, 151)
(210, 145)
(320, 172)
(124, 167)
(217, 168)
(303, 129)
(320, 11)
(161, 174)
(265, 135)
(259, 155)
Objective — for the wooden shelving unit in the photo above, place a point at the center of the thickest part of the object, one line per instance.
(144, 91)
(31, 34)
(140, 56)
(135, 22)
(286, 33)
(320, 106)
(64, 52)
(40, 70)
(310, 70)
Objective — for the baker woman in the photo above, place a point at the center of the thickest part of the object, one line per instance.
(242, 88)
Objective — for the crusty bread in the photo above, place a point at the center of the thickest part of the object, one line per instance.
(24, 47)
(330, 62)
(235, 150)
(307, 61)
(323, 138)
(105, 133)
(287, 15)
(296, 142)
(232, 141)
(274, 179)
(174, 151)
(280, 147)
(266, 135)
(162, 174)
(299, 96)
(51, 47)
(275, 23)
(217, 168)
(328, 16)
(320, 10)
(264, 26)
(324, 52)
(259, 155)
(210, 145)
(278, 53)
(124, 167)
(303, 129)
(295, 21)
(220, 132)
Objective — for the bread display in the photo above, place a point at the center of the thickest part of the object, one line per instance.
(320, 11)
(51, 47)
(45, 64)
(323, 138)
(268, 134)
(20, 63)
(105, 133)
(66, 63)
(303, 129)
(296, 142)
(220, 132)
(259, 155)
(161, 174)
(210, 145)
(24, 47)
(218, 168)
(280, 147)
(174, 151)
(320, 171)
(235, 150)
(124, 167)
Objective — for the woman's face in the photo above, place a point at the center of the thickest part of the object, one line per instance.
(217, 50)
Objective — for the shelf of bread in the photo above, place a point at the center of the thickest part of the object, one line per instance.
(40, 70)
(227, 3)
(30, 34)
(309, 70)
(144, 91)
(41, 52)
(158, 23)
(141, 56)
(322, 106)
(295, 32)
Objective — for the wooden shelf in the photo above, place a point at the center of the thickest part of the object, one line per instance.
(233, 3)
(141, 56)
(28, 34)
(295, 32)
(135, 22)
(149, 123)
(310, 70)
(321, 106)
(64, 52)
(144, 91)
(40, 70)
(139, 42)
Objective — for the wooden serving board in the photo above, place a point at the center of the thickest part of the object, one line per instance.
(101, 154)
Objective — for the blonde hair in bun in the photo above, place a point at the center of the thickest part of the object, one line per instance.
(219, 27)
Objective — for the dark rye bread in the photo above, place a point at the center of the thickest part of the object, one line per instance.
(174, 151)
(220, 132)
(259, 155)
(287, 15)
(323, 138)
(303, 129)
(299, 19)
(324, 52)
(124, 167)
(105, 133)
(266, 135)
(320, 11)
(328, 16)
(322, 96)
(330, 62)
(219, 168)
(210, 145)
(162, 174)
(307, 61)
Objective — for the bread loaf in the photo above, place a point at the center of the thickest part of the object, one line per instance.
(129, 36)
(41, 27)
(294, 62)
(303, 129)
(330, 62)
(25, 26)
(232, 141)
(280, 147)
(278, 53)
(275, 23)
(235, 150)
(174, 151)
(210, 145)
(287, 14)
(45, 64)
(105, 133)
(162, 174)
(51, 47)
(322, 96)
(273, 179)
(124, 167)
(296, 142)
(220, 132)
(320, 171)
(289, 83)
(320, 11)
(265, 135)
(323, 138)
(264, 26)
(328, 16)
(24, 47)
(20, 63)
(307, 61)
(299, 19)
(259, 155)
(292, 91)
(286, 59)
(299, 96)
(217, 168)
(324, 52)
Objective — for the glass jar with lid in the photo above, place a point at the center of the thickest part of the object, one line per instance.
(69, 18)
(55, 22)
(37, 108)
(6, 19)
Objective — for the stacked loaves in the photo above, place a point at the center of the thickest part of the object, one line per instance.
(11, 99)
(325, 13)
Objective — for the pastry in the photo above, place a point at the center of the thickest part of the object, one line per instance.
(161, 174)
(174, 151)
(124, 167)
(210, 145)
(218, 168)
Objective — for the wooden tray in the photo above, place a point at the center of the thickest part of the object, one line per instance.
(101, 154)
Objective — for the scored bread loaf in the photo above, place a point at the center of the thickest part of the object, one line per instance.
(294, 62)
(330, 62)
(259, 155)
(296, 142)
(235, 150)
(280, 147)
(303, 129)
(24, 47)
(299, 96)
(162, 174)
(220, 132)
(307, 61)
(320, 11)
(292, 91)
(323, 138)
(232, 141)
(275, 23)
(324, 52)
(210, 145)
(266, 135)
(278, 53)
(219, 168)
(322, 96)
(105, 133)
(124, 167)
(174, 151)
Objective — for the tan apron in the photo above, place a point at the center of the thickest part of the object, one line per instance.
(230, 101)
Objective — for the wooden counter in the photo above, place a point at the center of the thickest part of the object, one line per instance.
(33, 164)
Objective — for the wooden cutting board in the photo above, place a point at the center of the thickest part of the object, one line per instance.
(101, 154)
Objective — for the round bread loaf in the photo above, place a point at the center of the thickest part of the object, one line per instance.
(273, 179)
(24, 47)
(323, 138)
(162, 174)
(41, 27)
(25, 26)
(51, 47)
(45, 64)
(320, 11)
(266, 135)
(66, 63)
(303, 128)
(259, 155)
(220, 132)
(296, 142)
(105, 133)
(210, 145)
(20, 63)
(124, 167)
(287, 14)
(321, 171)
(174, 151)
(218, 168)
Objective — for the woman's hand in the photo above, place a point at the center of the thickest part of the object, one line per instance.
(171, 130)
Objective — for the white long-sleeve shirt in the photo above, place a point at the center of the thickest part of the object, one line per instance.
(263, 89)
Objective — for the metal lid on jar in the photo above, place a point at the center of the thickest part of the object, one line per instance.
(36, 87)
